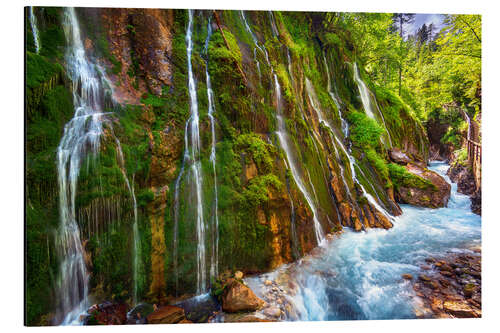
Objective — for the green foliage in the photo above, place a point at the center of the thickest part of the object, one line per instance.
(257, 191)
(364, 131)
(461, 157)
(39, 70)
(378, 163)
(262, 152)
(153, 100)
(145, 197)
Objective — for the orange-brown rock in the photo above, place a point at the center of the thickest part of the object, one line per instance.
(433, 196)
(239, 298)
(459, 309)
(382, 220)
(138, 39)
(167, 314)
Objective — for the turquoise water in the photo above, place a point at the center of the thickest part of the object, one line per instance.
(358, 275)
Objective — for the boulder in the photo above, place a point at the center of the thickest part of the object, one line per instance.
(398, 156)
(167, 314)
(107, 313)
(433, 191)
(238, 275)
(238, 297)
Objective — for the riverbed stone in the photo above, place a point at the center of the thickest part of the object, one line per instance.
(238, 297)
(459, 309)
(167, 314)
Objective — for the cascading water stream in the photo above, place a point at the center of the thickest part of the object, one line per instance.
(365, 93)
(81, 137)
(358, 276)
(192, 154)
(333, 95)
(352, 162)
(247, 27)
(185, 160)
(283, 136)
(34, 29)
(273, 24)
(214, 262)
(135, 228)
(285, 144)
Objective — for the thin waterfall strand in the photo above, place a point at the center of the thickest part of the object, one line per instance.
(214, 262)
(34, 29)
(196, 164)
(284, 142)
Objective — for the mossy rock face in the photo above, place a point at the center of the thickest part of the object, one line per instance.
(419, 186)
(256, 190)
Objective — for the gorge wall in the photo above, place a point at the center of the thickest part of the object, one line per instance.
(243, 158)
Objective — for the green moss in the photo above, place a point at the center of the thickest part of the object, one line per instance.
(257, 191)
(262, 152)
(364, 132)
(378, 163)
(402, 178)
(145, 197)
(39, 70)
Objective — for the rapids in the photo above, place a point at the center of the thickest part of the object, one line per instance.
(358, 274)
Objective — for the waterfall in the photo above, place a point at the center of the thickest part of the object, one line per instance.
(359, 275)
(214, 263)
(193, 146)
(135, 229)
(176, 209)
(285, 144)
(365, 93)
(273, 24)
(468, 125)
(352, 162)
(81, 134)
(81, 137)
(247, 27)
(34, 29)
(336, 101)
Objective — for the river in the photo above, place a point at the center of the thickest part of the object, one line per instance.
(358, 274)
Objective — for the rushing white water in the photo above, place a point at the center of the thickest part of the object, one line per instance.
(285, 144)
(214, 261)
(358, 275)
(195, 145)
(365, 93)
(81, 135)
(34, 29)
(81, 138)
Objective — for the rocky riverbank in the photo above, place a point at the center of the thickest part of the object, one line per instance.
(462, 175)
(450, 286)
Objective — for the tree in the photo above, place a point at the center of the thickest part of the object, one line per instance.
(399, 20)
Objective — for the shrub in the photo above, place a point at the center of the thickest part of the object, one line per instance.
(364, 131)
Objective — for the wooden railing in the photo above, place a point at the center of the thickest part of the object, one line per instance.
(473, 152)
(475, 159)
